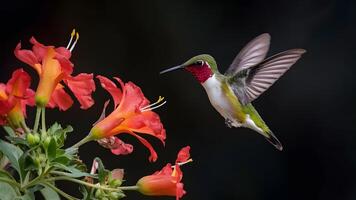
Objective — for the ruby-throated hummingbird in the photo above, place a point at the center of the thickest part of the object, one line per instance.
(249, 75)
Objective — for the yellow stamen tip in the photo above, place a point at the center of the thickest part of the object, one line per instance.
(73, 32)
(77, 36)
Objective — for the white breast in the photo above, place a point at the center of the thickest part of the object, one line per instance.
(217, 98)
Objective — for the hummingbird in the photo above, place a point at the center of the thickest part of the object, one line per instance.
(249, 75)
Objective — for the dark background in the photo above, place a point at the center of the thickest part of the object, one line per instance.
(310, 109)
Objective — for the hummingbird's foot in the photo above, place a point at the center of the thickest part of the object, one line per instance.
(229, 123)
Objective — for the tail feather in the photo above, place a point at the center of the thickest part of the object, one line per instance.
(271, 138)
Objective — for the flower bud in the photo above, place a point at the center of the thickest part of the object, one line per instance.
(98, 193)
(116, 195)
(31, 139)
(46, 142)
(115, 182)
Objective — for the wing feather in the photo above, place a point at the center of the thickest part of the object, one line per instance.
(252, 54)
(262, 76)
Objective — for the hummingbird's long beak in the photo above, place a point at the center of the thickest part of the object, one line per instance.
(172, 69)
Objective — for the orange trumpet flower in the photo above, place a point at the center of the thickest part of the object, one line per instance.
(53, 66)
(166, 182)
(14, 97)
(132, 114)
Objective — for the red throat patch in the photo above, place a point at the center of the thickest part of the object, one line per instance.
(201, 73)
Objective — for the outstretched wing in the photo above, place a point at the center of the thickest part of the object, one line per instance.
(252, 54)
(250, 83)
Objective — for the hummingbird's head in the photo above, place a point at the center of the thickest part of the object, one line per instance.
(202, 67)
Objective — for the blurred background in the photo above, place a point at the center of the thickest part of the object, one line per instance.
(311, 109)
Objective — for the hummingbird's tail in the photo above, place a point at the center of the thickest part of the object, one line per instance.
(271, 138)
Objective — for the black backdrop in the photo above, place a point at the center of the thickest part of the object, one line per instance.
(311, 109)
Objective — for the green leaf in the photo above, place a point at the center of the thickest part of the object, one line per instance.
(13, 153)
(7, 192)
(59, 133)
(26, 163)
(71, 171)
(27, 196)
(102, 172)
(50, 194)
(55, 127)
(64, 160)
(3, 161)
(35, 188)
(10, 131)
(6, 174)
(52, 148)
(17, 140)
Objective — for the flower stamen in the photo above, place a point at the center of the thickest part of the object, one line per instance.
(154, 105)
(183, 163)
(75, 42)
(71, 38)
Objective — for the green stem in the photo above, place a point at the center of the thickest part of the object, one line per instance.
(65, 195)
(64, 178)
(37, 119)
(133, 187)
(24, 126)
(81, 142)
(11, 182)
(38, 178)
(59, 173)
(43, 118)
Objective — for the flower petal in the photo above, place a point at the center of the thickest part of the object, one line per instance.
(82, 87)
(153, 157)
(60, 99)
(121, 148)
(39, 49)
(148, 123)
(18, 84)
(117, 174)
(28, 101)
(166, 170)
(28, 57)
(133, 99)
(111, 87)
(66, 65)
(64, 52)
(5, 107)
(183, 154)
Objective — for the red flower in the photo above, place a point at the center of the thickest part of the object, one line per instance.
(14, 96)
(183, 155)
(166, 182)
(132, 114)
(53, 66)
(117, 146)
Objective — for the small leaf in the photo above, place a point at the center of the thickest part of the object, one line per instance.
(27, 196)
(13, 153)
(7, 192)
(17, 140)
(10, 131)
(26, 163)
(102, 172)
(50, 194)
(64, 160)
(52, 148)
(35, 188)
(71, 171)
(55, 127)
(6, 174)
(85, 192)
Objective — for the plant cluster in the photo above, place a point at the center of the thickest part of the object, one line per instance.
(34, 158)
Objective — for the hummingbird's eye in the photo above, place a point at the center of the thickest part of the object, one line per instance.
(199, 62)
